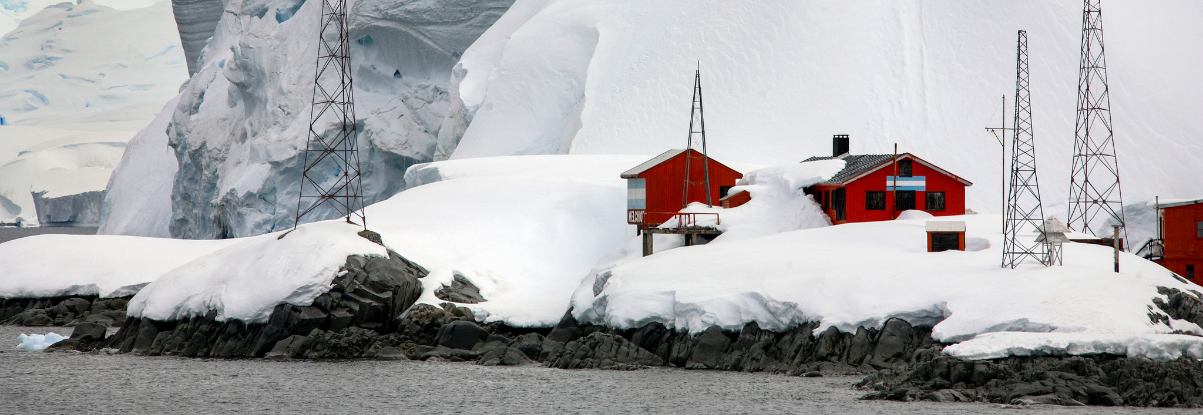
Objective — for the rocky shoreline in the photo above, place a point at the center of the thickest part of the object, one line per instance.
(369, 313)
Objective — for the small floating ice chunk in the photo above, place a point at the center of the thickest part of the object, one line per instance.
(37, 341)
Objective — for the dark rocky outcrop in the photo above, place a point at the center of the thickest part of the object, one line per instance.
(361, 314)
(1076, 380)
(63, 311)
(461, 290)
(1181, 305)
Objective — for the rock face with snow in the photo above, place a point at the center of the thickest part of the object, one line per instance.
(196, 20)
(241, 122)
(81, 209)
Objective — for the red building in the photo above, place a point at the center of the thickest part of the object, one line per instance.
(863, 191)
(656, 188)
(1182, 238)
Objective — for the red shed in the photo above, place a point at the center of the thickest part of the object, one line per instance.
(863, 192)
(1182, 238)
(655, 189)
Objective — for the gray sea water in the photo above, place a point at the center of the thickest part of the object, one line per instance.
(8, 233)
(70, 382)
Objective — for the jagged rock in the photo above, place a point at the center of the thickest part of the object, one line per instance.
(390, 353)
(461, 290)
(892, 344)
(461, 335)
(603, 351)
(529, 344)
(1181, 305)
(709, 348)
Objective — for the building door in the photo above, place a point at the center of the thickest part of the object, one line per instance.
(904, 200)
(838, 202)
(945, 241)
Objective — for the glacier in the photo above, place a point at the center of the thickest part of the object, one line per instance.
(77, 81)
(241, 121)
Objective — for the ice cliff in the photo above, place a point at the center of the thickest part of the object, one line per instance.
(196, 20)
(241, 121)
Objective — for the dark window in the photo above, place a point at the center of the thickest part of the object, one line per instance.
(722, 191)
(875, 200)
(826, 200)
(1199, 232)
(904, 200)
(945, 241)
(934, 202)
(839, 203)
(1190, 272)
(904, 168)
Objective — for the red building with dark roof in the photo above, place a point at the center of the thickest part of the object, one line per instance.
(864, 190)
(656, 188)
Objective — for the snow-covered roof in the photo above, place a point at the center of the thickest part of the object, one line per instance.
(1180, 203)
(860, 165)
(945, 226)
(637, 170)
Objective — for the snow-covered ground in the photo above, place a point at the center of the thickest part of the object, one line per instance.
(863, 274)
(104, 265)
(781, 76)
(538, 234)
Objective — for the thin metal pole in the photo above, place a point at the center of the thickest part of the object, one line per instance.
(1003, 194)
(894, 208)
(1115, 242)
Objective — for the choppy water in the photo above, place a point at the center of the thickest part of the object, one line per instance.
(8, 233)
(38, 382)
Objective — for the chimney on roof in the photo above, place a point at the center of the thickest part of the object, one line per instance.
(839, 145)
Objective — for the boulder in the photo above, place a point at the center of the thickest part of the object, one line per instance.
(710, 347)
(390, 353)
(461, 335)
(89, 332)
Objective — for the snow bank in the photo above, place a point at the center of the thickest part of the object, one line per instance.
(37, 341)
(863, 274)
(247, 278)
(59, 265)
(522, 229)
(137, 200)
(1159, 347)
(782, 76)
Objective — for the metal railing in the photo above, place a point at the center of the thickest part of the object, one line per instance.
(1152, 250)
(690, 220)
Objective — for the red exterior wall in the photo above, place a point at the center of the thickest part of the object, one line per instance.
(854, 193)
(736, 200)
(1183, 246)
(666, 182)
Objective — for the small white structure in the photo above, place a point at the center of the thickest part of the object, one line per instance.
(1052, 234)
(945, 236)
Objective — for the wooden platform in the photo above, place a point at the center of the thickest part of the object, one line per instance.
(691, 235)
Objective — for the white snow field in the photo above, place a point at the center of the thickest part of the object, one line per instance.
(77, 81)
(865, 273)
(241, 123)
(104, 265)
(781, 76)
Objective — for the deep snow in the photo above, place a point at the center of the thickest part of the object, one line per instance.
(780, 77)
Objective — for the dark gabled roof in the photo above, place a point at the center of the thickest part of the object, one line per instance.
(1180, 203)
(637, 170)
(858, 166)
(855, 165)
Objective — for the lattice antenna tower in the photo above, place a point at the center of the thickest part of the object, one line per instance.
(1094, 187)
(1024, 213)
(697, 140)
(330, 179)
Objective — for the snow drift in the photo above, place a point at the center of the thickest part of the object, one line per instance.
(243, 118)
(781, 77)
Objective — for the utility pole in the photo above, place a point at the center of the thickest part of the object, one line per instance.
(1000, 133)
(1115, 242)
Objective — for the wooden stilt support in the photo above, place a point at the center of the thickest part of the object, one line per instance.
(647, 243)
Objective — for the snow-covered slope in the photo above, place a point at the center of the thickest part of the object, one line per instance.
(243, 117)
(782, 76)
(87, 62)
